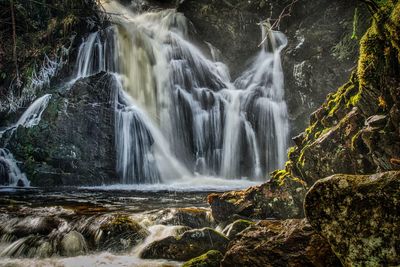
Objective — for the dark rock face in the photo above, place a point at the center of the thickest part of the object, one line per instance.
(4, 172)
(187, 246)
(276, 199)
(359, 216)
(74, 142)
(279, 243)
(212, 258)
(320, 52)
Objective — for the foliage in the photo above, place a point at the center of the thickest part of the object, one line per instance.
(40, 27)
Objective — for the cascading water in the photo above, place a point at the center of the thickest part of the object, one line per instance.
(178, 112)
(10, 174)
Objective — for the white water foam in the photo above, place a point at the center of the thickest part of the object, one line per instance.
(197, 184)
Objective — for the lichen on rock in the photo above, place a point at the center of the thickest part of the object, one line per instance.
(359, 216)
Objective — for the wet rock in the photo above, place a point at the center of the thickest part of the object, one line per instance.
(45, 250)
(190, 217)
(119, 233)
(359, 215)
(4, 172)
(279, 243)
(187, 246)
(32, 225)
(212, 258)
(73, 244)
(278, 199)
(74, 141)
(236, 227)
(32, 246)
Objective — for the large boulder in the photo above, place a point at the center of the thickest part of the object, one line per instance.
(74, 142)
(279, 199)
(187, 246)
(359, 216)
(280, 243)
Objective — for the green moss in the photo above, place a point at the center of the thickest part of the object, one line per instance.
(211, 259)
(370, 58)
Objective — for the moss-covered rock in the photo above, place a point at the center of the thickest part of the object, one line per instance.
(212, 258)
(280, 198)
(359, 215)
(344, 135)
(279, 243)
(187, 246)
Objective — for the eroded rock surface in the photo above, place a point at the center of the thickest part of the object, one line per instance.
(279, 243)
(276, 199)
(360, 217)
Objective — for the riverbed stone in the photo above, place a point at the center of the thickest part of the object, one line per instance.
(212, 258)
(191, 217)
(359, 215)
(119, 233)
(73, 244)
(187, 246)
(271, 243)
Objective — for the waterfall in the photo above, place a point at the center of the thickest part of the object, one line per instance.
(32, 115)
(10, 174)
(178, 113)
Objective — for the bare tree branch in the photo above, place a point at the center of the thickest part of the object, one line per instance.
(14, 36)
(286, 12)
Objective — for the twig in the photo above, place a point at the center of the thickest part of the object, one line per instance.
(14, 36)
(286, 12)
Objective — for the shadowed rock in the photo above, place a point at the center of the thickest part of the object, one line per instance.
(186, 246)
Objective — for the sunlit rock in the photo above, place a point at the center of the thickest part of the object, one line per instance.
(359, 215)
